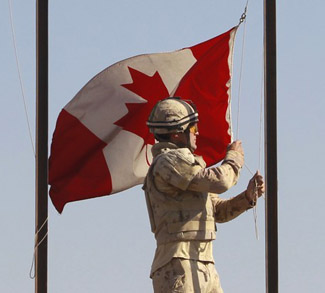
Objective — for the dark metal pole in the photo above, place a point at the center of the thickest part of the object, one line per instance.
(271, 147)
(41, 205)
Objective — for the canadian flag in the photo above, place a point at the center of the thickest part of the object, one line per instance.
(101, 144)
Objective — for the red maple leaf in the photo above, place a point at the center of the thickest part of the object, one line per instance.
(150, 88)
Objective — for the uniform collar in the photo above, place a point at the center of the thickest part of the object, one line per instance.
(162, 147)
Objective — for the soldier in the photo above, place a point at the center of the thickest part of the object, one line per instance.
(183, 202)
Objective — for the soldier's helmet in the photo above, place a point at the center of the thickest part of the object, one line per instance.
(172, 115)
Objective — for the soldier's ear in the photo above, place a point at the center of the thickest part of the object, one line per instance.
(176, 137)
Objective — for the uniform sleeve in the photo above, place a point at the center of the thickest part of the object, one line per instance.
(176, 168)
(227, 209)
(219, 179)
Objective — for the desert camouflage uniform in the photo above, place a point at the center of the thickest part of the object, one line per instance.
(183, 208)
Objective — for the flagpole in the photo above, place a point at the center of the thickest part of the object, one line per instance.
(41, 196)
(271, 147)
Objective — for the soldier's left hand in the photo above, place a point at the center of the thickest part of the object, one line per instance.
(255, 188)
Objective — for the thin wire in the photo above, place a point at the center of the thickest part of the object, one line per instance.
(254, 207)
(255, 212)
(241, 20)
(260, 146)
(36, 245)
(249, 170)
(19, 75)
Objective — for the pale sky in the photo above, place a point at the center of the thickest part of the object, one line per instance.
(105, 244)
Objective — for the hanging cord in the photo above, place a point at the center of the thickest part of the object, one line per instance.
(255, 212)
(19, 75)
(255, 207)
(259, 149)
(260, 146)
(241, 20)
(36, 245)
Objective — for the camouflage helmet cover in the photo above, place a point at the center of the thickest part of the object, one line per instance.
(172, 115)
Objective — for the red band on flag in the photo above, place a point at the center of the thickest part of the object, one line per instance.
(207, 83)
(78, 169)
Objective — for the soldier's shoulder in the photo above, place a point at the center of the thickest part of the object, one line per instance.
(176, 167)
(176, 156)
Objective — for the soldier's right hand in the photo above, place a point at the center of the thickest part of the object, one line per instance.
(236, 146)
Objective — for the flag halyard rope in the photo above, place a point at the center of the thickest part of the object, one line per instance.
(36, 245)
(243, 20)
(19, 75)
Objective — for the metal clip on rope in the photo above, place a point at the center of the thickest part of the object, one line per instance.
(243, 17)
